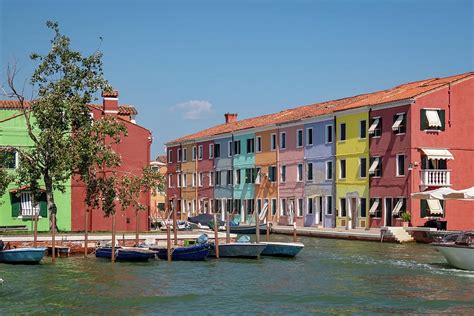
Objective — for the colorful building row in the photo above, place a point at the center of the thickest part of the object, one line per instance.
(16, 209)
(352, 162)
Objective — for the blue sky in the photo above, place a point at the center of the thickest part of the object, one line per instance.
(183, 64)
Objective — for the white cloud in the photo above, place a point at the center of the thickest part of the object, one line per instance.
(193, 109)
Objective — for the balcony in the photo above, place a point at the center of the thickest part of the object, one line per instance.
(435, 177)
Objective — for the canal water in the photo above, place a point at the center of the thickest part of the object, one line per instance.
(328, 277)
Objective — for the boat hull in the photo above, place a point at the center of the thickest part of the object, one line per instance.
(282, 249)
(191, 253)
(457, 256)
(247, 229)
(239, 250)
(125, 254)
(22, 255)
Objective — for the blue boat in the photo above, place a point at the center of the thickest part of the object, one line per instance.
(191, 253)
(22, 255)
(282, 249)
(126, 254)
(247, 229)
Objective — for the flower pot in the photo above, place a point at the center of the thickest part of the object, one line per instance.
(405, 224)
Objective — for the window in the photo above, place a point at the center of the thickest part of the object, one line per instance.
(299, 138)
(342, 170)
(282, 140)
(363, 207)
(309, 136)
(400, 165)
(257, 175)
(250, 174)
(309, 170)
(375, 129)
(283, 174)
(375, 207)
(400, 207)
(170, 180)
(185, 180)
(217, 150)
(328, 170)
(328, 134)
(259, 144)
(310, 205)
(200, 180)
(299, 174)
(272, 174)
(273, 142)
(194, 153)
(300, 207)
(237, 147)
(211, 151)
(376, 166)
(180, 180)
(218, 179)
(229, 148)
(363, 129)
(200, 153)
(185, 155)
(170, 156)
(362, 167)
(274, 206)
(432, 119)
(342, 130)
(194, 179)
(25, 206)
(329, 205)
(229, 177)
(8, 159)
(431, 208)
(211, 179)
(343, 209)
(283, 207)
(237, 177)
(180, 154)
(250, 145)
(399, 123)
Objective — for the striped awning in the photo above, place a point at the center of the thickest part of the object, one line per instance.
(437, 154)
(433, 118)
(374, 126)
(374, 207)
(435, 207)
(398, 122)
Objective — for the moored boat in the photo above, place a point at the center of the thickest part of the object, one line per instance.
(238, 250)
(190, 253)
(126, 254)
(22, 255)
(247, 229)
(458, 250)
(282, 249)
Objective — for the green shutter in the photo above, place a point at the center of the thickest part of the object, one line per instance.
(15, 201)
(442, 117)
(43, 205)
(423, 120)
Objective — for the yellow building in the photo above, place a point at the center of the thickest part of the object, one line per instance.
(158, 198)
(352, 177)
(188, 181)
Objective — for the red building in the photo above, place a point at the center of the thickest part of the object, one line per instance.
(422, 143)
(134, 150)
(173, 192)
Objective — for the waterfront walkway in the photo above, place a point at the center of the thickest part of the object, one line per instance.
(372, 234)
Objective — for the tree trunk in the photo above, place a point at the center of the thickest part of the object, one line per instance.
(52, 214)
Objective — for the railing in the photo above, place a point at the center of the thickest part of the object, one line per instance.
(436, 177)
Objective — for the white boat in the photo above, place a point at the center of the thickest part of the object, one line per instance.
(282, 249)
(458, 250)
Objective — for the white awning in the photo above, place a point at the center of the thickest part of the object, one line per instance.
(438, 154)
(374, 165)
(373, 126)
(435, 207)
(373, 208)
(433, 118)
(398, 122)
(398, 207)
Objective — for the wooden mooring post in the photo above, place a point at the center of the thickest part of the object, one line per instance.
(168, 241)
(112, 255)
(35, 233)
(227, 227)
(53, 238)
(295, 238)
(216, 236)
(257, 227)
(86, 235)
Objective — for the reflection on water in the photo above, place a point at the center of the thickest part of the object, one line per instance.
(329, 276)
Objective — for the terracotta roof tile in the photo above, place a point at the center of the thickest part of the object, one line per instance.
(398, 93)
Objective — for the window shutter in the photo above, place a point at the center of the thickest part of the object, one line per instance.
(442, 116)
(43, 206)
(424, 210)
(423, 120)
(15, 201)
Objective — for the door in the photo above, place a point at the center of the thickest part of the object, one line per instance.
(388, 211)
(320, 210)
(291, 211)
(353, 206)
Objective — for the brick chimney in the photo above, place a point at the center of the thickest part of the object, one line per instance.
(230, 117)
(110, 105)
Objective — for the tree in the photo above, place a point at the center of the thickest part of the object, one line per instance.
(65, 83)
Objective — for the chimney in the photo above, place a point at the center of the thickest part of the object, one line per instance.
(110, 105)
(230, 117)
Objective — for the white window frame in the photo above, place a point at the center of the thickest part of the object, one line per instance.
(310, 202)
(340, 169)
(200, 152)
(170, 181)
(185, 155)
(170, 156)
(194, 180)
(194, 153)
(282, 167)
(360, 129)
(185, 180)
(326, 135)
(257, 177)
(297, 138)
(229, 148)
(211, 179)
(179, 179)
(179, 155)
(397, 166)
(340, 132)
(309, 131)
(299, 176)
(283, 207)
(273, 141)
(332, 170)
(328, 210)
(258, 144)
(360, 168)
(211, 151)
(372, 135)
(282, 140)
(299, 207)
(200, 179)
(309, 166)
(404, 118)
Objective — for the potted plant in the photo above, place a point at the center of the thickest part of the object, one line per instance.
(406, 217)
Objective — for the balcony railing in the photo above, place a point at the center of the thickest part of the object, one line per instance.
(435, 177)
